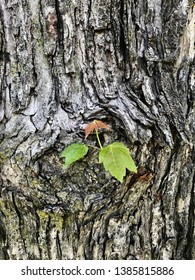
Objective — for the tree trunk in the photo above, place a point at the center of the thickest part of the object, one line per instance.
(126, 62)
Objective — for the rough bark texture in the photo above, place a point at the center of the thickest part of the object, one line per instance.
(129, 63)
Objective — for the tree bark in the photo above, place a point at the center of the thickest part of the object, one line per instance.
(129, 63)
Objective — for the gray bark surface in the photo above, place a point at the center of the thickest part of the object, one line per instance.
(129, 63)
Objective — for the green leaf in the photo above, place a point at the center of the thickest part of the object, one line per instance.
(116, 158)
(73, 153)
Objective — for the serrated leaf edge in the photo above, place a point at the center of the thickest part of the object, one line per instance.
(122, 173)
(66, 165)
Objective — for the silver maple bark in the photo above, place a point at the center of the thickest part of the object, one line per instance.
(65, 63)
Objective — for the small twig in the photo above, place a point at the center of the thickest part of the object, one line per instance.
(93, 147)
(99, 142)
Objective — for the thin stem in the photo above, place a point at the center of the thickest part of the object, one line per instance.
(97, 135)
(96, 148)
